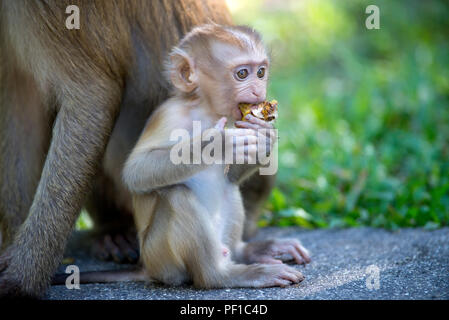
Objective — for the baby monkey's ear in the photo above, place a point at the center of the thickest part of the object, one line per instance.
(182, 71)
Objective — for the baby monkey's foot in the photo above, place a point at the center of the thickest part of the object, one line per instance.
(276, 275)
(277, 251)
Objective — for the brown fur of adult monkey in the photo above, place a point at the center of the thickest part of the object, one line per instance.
(72, 104)
(189, 217)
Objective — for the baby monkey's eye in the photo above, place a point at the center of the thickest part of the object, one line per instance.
(242, 74)
(261, 72)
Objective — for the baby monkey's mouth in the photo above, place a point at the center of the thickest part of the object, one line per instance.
(266, 110)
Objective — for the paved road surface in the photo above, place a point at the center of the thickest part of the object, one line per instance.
(412, 264)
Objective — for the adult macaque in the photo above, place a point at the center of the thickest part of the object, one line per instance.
(72, 105)
(190, 217)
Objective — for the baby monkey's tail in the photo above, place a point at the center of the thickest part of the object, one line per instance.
(104, 276)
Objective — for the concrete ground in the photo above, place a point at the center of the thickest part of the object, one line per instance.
(408, 264)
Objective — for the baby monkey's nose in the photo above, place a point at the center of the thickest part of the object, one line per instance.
(258, 95)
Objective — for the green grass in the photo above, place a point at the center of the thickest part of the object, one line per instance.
(364, 114)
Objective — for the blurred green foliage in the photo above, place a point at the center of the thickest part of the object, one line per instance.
(364, 114)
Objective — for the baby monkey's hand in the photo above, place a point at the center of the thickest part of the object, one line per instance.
(266, 132)
(241, 141)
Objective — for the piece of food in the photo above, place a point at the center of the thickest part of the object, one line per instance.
(267, 110)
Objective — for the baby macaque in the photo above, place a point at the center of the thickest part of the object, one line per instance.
(189, 216)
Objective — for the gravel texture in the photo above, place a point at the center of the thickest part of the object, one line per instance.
(411, 264)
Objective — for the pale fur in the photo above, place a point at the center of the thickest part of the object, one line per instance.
(186, 214)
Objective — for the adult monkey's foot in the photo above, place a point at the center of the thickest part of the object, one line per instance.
(121, 247)
(8, 287)
(16, 280)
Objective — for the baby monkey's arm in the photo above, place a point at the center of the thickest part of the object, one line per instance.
(150, 165)
(147, 170)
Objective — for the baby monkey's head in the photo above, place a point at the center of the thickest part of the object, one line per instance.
(223, 65)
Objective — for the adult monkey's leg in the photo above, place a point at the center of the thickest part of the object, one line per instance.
(25, 131)
(82, 127)
(255, 191)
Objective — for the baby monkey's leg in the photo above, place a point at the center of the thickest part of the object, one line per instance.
(194, 239)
